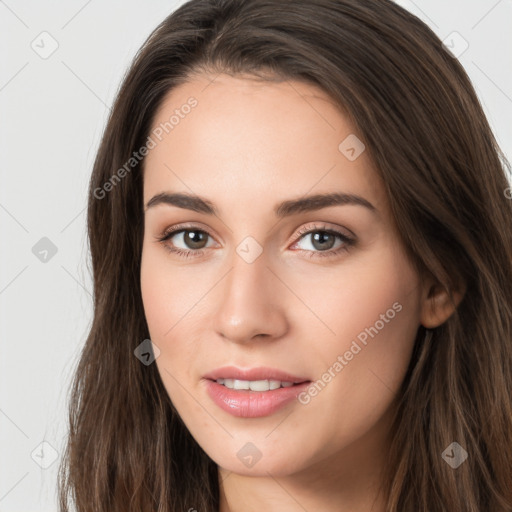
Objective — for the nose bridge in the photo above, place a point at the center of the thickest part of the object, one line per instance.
(249, 302)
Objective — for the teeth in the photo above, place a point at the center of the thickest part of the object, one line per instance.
(259, 385)
(241, 384)
(274, 384)
(254, 385)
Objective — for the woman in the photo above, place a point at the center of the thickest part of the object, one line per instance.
(302, 254)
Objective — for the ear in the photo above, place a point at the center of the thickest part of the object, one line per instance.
(437, 304)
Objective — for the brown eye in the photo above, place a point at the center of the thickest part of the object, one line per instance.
(193, 239)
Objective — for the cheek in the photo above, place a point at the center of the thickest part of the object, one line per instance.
(170, 307)
(154, 296)
(165, 293)
(374, 295)
(374, 313)
(158, 296)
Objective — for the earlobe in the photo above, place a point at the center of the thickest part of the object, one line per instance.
(438, 305)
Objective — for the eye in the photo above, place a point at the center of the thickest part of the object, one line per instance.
(321, 240)
(192, 239)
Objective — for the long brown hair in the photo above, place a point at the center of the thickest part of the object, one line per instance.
(445, 176)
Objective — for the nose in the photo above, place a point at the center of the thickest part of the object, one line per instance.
(251, 302)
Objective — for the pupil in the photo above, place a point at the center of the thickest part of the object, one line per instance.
(194, 239)
(321, 238)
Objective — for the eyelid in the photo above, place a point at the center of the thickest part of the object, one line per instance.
(305, 229)
(326, 226)
(348, 239)
(176, 228)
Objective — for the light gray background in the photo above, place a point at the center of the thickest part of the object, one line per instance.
(52, 113)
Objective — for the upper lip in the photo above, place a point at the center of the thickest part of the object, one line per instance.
(259, 373)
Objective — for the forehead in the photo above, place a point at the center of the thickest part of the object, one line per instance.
(217, 135)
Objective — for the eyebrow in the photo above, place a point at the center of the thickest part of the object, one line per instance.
(283, 209)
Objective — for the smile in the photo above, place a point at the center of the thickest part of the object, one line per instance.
(254, 385)
(254, 392)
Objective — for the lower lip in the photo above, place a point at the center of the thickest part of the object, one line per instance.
(252, 404)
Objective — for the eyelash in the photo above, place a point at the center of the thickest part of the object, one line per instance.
(347, 241)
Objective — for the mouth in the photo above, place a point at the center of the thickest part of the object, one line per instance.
(255, 385)
(255, 379)
(254, 392)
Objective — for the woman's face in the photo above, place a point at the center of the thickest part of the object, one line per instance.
(278, 284)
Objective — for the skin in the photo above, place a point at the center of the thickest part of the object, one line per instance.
(247, 146)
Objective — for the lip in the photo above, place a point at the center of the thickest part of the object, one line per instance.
(252, 404)
(260, 373)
